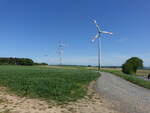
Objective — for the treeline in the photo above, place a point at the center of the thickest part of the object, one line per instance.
(19, 61)
(16, 61)
(35, 63)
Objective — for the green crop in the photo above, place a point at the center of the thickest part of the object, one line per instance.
(57, 84)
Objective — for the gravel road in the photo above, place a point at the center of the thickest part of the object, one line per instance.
(122, 95)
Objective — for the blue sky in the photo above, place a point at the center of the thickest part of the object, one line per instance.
(32, 28)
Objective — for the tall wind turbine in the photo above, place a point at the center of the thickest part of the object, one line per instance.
(61, 46)
(98, 36)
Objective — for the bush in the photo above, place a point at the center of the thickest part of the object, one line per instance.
(131, 65)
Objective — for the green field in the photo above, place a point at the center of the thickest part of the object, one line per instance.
(57, 84)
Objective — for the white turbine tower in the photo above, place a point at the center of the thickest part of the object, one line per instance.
(98, 36)
(61, 51)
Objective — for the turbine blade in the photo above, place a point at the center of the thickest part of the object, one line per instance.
(97, 26)
(97, 36)
(105, 32)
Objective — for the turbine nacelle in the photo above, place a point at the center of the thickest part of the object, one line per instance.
(99, 31)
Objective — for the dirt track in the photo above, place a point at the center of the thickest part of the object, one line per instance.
(122, 95)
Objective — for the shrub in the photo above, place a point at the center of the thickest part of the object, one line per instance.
(131, 65)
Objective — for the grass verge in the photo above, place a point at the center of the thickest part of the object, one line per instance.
(131, 78)
(61, 85)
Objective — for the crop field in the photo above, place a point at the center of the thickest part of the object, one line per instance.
(143, 72)
(50, 83)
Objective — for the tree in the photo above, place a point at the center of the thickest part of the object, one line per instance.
(131, 65)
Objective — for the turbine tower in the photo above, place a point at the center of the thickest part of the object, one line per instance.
(98, 36)
(61, 46)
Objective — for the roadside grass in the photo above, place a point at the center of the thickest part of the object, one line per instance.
(59, 84)
(131, 78)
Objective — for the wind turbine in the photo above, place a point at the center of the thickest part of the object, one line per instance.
(98, 36)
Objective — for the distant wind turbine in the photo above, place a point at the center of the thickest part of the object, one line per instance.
(98, 36)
